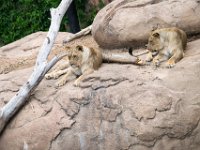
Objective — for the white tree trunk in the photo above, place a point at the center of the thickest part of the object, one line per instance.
(40, 69)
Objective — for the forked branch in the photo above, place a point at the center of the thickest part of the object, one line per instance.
(40, 69)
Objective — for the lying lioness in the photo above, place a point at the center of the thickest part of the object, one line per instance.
(166, 44)
(82, 61)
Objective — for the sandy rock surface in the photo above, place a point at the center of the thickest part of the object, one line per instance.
(117, 107)
(127, 23)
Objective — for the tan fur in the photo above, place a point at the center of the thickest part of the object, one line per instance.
(168, 44)
(82, 61)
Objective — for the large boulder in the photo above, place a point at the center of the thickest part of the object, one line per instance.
(117, 107)
(124, 23)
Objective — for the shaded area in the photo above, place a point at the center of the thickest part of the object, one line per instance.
(73, 18)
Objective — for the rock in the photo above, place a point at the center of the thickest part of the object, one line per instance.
(125, 23)
(117, 107)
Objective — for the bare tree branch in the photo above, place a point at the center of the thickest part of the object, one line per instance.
(40, 69)
(84, 31)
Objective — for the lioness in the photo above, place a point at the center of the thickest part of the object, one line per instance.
(82, 61)
(166, 44)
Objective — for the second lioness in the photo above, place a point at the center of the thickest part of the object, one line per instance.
(82, 61)
(167, 44)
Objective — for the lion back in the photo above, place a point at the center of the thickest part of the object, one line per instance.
(96, 56)
(181, 35)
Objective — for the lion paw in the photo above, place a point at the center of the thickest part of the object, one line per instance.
(60, 83)
(156, 62)
(51, 76)
(47, 76)
(77, 83)
(170, 64)
(141, 62)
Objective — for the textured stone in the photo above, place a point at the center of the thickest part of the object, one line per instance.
(124, 23)
(117, 107)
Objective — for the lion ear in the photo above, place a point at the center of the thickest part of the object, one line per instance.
(79, 48)
(154, 28)
(156, 34)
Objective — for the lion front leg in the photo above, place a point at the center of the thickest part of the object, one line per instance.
(67, 77)
(82, 77)
(174, 59)
(58, 71)
(159, 58)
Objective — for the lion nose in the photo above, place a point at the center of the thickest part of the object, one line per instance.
(148, 46)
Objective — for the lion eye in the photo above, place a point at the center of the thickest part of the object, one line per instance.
(75, 57)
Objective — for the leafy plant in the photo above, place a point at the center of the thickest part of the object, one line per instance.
(19, 18)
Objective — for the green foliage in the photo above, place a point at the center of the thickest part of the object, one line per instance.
(19, 18)
(22, 17)
(87, 13)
